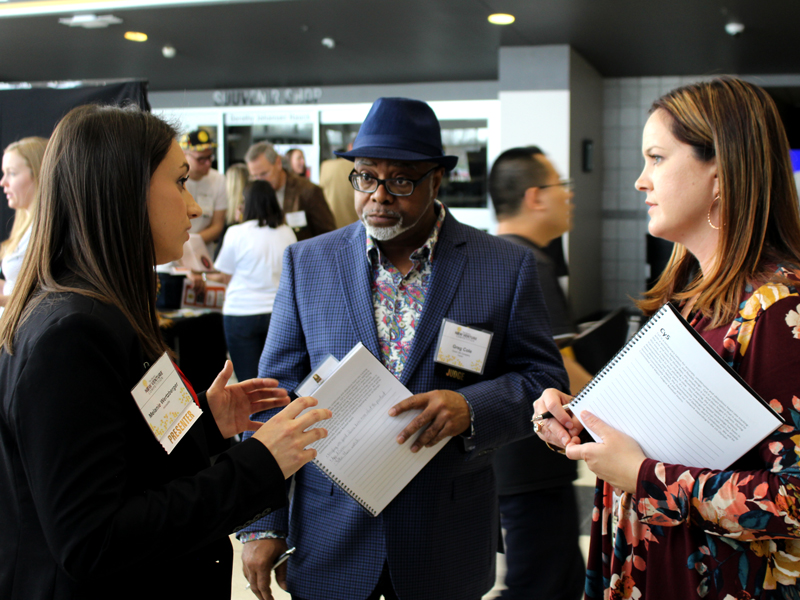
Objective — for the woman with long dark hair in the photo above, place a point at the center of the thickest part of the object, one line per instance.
(250, 262)
(719, 184)
(91, 505)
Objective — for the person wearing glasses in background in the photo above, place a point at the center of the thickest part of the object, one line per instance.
(389, 281)
(544, 561)
(206, 184)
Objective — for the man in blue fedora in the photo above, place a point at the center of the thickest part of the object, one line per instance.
(393, 281)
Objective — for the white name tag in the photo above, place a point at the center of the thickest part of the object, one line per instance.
(166, 404)
(463, 347)
(296, 220)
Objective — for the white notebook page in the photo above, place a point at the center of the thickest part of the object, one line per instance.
(666, 391)
(361, 453)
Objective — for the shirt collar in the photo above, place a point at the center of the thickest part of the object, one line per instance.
(423, 252)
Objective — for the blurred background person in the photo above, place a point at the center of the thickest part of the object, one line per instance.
(719, 184)
(250, 263)
(236, 178)
(302, 202)
(334, 180)
(22, 162)
(206, 185)
(543, 558)
(296, 162)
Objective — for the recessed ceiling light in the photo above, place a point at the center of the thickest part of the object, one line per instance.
(136, 36)
(501, 19)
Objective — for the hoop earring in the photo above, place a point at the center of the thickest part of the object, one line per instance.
(708, 216)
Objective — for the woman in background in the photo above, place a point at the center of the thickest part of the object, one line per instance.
(92, 506)
(250, 262)
(236, 178)
(296, 162)
(719, 184)
(22, 161)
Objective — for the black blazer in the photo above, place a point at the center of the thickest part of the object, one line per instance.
(91, 506)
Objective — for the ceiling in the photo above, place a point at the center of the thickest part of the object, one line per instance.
(278, 43)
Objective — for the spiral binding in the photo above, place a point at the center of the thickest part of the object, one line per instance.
(349, 492)
(617, 357)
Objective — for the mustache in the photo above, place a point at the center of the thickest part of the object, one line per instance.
(381, 213)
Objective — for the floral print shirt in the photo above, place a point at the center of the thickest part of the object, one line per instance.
(398, 300)
(728, 535)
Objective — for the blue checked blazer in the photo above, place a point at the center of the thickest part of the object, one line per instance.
(440, 534)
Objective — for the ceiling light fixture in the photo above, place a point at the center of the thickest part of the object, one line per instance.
(135, 36)
(90, 21)
(734, 29)
(501, 19)
(329, 43)
(169, 51)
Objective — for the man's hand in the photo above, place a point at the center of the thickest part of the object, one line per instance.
(232, 405)
(444, 412)
(258, 557)
(197, 283)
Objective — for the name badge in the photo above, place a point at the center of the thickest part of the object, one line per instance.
(297, 219)
(165, 403)
(462, 347)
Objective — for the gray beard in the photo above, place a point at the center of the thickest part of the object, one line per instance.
(383, 234)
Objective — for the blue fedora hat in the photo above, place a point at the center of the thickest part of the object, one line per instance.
(400, 129)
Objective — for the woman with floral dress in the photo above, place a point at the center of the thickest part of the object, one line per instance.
(719, 184)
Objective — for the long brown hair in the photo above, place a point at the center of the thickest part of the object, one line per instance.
(738, 125)
(31, 150)
(91, 234)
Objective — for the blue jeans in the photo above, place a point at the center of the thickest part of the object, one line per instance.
(543, 557)
(245, 337)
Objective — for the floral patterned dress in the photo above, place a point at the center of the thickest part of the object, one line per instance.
(697, 533)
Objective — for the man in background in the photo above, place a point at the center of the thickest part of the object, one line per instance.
(303, 203)
(538, 508)
(206, 185)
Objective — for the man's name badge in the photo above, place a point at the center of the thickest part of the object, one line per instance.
(463, 349)
(165, 403)
(297, 219)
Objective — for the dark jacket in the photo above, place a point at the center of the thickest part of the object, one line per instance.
(91, 506)
(528, 465)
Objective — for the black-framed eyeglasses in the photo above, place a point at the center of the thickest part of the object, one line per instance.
(567, 184)
(398, 186)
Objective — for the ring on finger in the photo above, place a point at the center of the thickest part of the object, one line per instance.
(537, 426)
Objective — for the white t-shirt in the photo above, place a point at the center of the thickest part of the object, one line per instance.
(211, 195)
(253, 255)
(12, 262)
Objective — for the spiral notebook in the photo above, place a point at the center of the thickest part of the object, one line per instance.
(670, 391)
(361, 453)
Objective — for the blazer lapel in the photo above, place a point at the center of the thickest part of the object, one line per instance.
(449, 261)
(356, 280)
